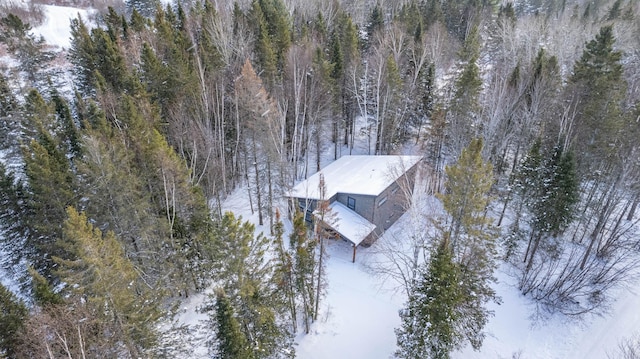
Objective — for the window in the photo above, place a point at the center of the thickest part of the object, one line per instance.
(393, 191)
(382, 201)
(351, 203)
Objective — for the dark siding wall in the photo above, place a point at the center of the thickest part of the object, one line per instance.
(364, 204)
(386, 211)
(394, 201)
(310, 205)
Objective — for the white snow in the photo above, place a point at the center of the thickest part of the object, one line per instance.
(358, 316)
(56, 30)
(349, 224)
(366, 175)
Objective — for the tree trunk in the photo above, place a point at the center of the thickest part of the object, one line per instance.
(595, 234)
(257, 173)
(613, 236)
(319, 277)
(536, 243)
(270, 196)
(634, 206)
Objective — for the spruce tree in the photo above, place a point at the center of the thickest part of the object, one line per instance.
(98, 271)
(231, 341)
(264, 48)
(550, 193)
(110, 61)
(284, 274)
(246, 276)
(50, 183)
(375, 24)
(14, 223)
(29, 50)
(13, 313)
(472, 237)
(9, 111)
(41, 291)
(146, 8)
(304, 249)
(68, 131)
(468, 183)
(278, 28)
(599, 119)
(464, 106)
(83, 56)
(426, 98)
(431, 322)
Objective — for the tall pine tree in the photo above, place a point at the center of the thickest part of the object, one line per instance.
(431, 320)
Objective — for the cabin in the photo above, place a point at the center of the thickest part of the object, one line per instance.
(365, 196)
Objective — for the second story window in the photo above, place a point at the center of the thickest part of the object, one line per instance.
(351, 203)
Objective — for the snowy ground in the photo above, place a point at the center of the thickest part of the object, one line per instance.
(360, 312)
(56, 29)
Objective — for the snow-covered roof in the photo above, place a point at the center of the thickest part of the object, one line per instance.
(365, 175)
(349, 224)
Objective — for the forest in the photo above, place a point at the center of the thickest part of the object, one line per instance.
(116, 156)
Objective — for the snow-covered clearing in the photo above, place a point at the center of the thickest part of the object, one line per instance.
(56, 29)
(360, 312)
(359, 317)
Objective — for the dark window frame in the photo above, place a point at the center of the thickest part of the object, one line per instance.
(351, 203)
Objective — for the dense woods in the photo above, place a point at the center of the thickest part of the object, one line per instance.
(112, 183)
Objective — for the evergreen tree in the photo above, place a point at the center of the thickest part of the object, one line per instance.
(431, 11)
(83, 56)
(464, 106)
(42, 292)
(615, 10)
(550, 193)
(29, 50)
(599, 119)
(525, 179)
(246, 276)
(231, 342)
(266, 56)
(138, 22)
(426, 97)
(431, 321)
(466, 198)
(344, 59)
(278, 28)
(110, 62)
(179, 206)
(157, 76)
(9, 110)
(146, 8)
(14, 214)
(98, 271)
(472, 237)
(375, 24)
(284, 279)
(68, 131)
(304, 267)
(13, 314)
(51, 184)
